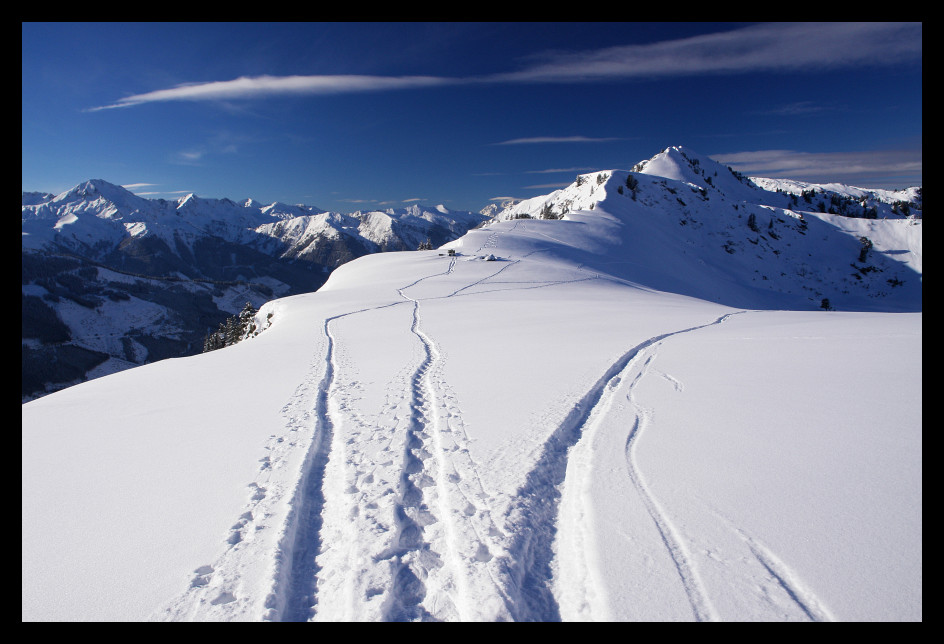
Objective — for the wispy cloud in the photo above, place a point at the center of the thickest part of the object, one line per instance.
(164, 192)
(847, 167)
(765, 47)
(556, 139)
(189, 157)
(776, 47)
(799, 108)
(222, 142)
(543, 186)
(556, 170)
(265, 86)
(133, 187)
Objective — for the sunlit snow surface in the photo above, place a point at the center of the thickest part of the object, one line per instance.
(531, 438)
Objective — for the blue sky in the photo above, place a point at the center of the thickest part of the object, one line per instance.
(355, 116)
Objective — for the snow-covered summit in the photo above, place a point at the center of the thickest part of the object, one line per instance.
(685, 165)
(101, 198)
(98, 189)
(687, 224)
(281, 210)
(679, 168)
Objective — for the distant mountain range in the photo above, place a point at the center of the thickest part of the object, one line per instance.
(112, 280)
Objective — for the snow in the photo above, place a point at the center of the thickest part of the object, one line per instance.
(97, 211)
(552, 435)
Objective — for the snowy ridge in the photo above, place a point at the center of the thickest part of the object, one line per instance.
(83, 206)
(531, 428)
(675, 222)
(870, 195)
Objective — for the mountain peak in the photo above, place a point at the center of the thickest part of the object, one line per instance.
(97, 188)
(684, 164)
(121, 200)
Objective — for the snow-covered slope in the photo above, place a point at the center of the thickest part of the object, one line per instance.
(556, 422)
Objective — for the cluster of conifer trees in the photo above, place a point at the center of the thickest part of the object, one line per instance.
(233, 330)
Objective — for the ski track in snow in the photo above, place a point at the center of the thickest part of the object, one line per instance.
(294, 600)
(294, 593)
(674, 543)
(446, 558)
(801, 602)
(636, 369)
(444, 493)
(407, 478)
(805, 600)
(772, 578)
(434, 519)
(535, 512)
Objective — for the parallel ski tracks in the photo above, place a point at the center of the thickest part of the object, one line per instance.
(805, 601)
(447, 558)
(535, 512)
(621, 382)
(442, 537)
(454, 505)
(295, 584)
(702, 609)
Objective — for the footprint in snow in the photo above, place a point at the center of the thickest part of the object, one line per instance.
(224, 598)
(203, 576)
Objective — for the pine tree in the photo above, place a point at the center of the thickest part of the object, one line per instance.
(247, 322)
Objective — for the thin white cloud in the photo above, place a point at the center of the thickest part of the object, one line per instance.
(219, 143)
(556, 170)
(555, 139)
(264, 86)
(765, 47)
(798, 108)
(190, 156)
(544, 186)
(132, 186)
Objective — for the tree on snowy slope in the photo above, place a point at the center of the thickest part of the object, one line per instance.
(233, 330)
